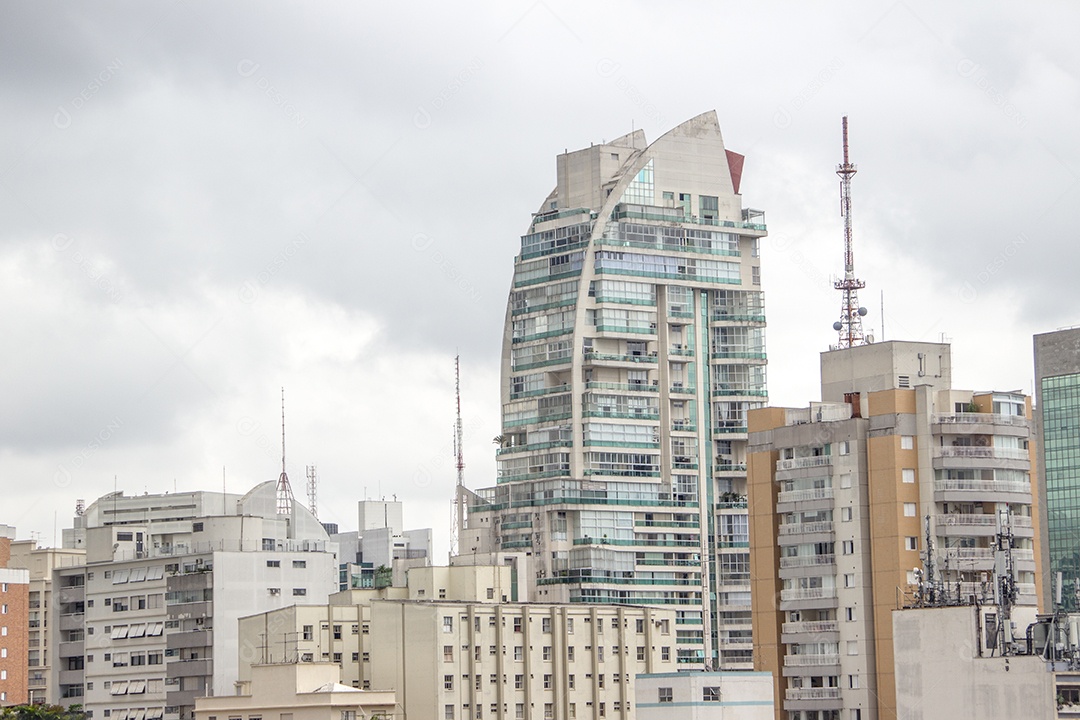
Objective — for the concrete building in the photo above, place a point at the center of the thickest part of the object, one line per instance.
(297, 691)
(451, 646)
(166, 579)
(634, 348)
(740, 695)
(944, 671)
(41, 562)
(1057, 402)
(339, 631)
(14, 624)
(844, 496)
(381, 542)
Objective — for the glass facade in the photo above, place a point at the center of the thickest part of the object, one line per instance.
(1060, 413)
(634, 350)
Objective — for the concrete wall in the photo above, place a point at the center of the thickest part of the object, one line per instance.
(743, 696)
(939, 673)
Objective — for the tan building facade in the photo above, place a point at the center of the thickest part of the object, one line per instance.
(297, 691)
(847, 497)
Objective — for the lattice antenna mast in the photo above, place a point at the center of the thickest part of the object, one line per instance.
(284, 489)
(313, 491)
(459, 453)
(849, 326)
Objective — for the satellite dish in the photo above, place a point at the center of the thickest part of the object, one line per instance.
(862, 312)
(837, 325)
(869, 339)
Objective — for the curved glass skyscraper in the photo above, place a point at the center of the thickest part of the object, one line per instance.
(634, 347)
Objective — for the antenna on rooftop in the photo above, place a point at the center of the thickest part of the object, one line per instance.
(284, 489)
(313, 491)
(849, 326)
(459, 453)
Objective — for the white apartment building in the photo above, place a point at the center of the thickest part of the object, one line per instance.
(166, 579)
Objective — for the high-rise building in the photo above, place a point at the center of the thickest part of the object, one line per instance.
(634, 348)
(1057, 403)
(894, 482)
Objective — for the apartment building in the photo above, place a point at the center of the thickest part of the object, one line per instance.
(149, 623)
(893, 477)
(41, 562)
(14, 624)
(381, 542)
(634, 347)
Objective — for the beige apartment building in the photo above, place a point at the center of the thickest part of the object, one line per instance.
(895, 476)
(297, 691)
(475, 655)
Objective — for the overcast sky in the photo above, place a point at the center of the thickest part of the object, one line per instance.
(201, 203)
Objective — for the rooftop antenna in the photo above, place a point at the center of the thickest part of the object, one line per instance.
(284, 490)
(313, 491)
(459, 495)
(849, 326)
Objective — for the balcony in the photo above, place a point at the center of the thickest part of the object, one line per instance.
(807, 561)
(811, 661)
(627, 387)
(72, 649)
(812, 693)
(804, 462)
(607, 357)
(810, 626)
(189, 668)
(979, 418)
(805, 528)
(982, 486)
(805, 495)
(796, 594)
(987, 453)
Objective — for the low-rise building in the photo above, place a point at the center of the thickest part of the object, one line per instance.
(297, 691)
(737, 695)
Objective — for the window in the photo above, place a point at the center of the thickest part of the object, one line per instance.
(911, 543)
(570, 681)
(849, 580)
(845, 514)
(907, 442)
(195, 527)
(547, 682)
(853, 682)
(641, 652)
(448, 653)
(569, 626)
(299, 591)
(519, 711)
(570, 654)
(447, 624)
(909, 510)
(337, 632)
(549, 711)
(547, 652)
(852, 647)
(519, 652)
(845, 481)
(710, 694)
(849, 547)
(309, 632)
(273, 563)
(639, 626)
(664, 695)
(845, 448)
(299, 563)
(545, 624)
(448, 682)
(519, 682)
(665, 653)
(908, 475)
(517, 624)
(448, 712)
(849, 614)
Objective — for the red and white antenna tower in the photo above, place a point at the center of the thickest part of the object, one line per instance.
(284, 489)
(459, 453)
(849, 326)
(313, 491)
